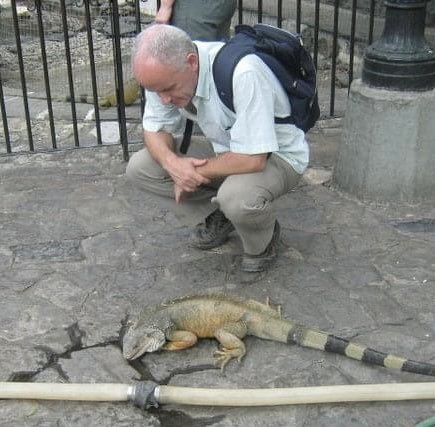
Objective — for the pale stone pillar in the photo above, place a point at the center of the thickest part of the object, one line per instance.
(387, 150)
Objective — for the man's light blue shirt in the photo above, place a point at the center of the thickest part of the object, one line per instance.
(258, 97)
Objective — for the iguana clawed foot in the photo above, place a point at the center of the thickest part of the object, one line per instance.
(231, 345)
(224, 355)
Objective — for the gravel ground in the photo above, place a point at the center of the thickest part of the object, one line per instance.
(56, 52)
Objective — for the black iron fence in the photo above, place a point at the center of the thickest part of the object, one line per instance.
(65, 77)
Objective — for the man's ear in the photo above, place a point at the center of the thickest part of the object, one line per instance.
(192, 60)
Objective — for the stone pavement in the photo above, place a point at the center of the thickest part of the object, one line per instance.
(80, 249)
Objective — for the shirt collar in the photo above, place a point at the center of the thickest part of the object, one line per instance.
(203, 86)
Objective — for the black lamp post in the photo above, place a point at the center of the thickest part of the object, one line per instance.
(401, 59)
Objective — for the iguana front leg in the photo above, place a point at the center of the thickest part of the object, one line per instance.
(179, 340)
(229, 336)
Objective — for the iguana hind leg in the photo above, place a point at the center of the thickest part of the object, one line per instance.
(179, 340)
(232, 347)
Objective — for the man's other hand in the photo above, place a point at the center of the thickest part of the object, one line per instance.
(184, 174)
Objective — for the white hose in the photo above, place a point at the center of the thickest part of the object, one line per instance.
(221, 397)
(294, 396)
(59, 391)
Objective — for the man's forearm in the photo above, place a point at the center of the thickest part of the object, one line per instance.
(231, 164)
(161, 146)
(167, 3)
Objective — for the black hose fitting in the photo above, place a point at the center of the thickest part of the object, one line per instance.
(143, 395)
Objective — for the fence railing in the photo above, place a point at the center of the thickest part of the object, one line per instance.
(62, 61)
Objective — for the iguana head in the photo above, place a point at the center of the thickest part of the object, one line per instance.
(147, 333)
(139, 340)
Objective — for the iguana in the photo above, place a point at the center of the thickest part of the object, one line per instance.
(131, 94)
(178, 324)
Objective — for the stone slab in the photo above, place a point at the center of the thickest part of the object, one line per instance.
(81, 250)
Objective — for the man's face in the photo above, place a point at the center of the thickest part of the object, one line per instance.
(173, 86)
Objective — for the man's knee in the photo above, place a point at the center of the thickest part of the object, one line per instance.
(142, 166)
(241, 206)
(134, 166)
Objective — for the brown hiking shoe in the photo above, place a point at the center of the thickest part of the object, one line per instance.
(261, 262)
(213, 232)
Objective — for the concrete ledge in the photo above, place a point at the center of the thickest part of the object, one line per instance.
(387, 150)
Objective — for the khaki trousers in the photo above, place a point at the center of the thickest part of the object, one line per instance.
(247, 200)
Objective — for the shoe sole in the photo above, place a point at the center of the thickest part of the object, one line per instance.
(258, 265)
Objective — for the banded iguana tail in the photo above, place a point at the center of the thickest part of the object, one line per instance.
(178, 324)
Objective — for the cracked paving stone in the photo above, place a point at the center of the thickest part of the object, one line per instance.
(111, 248)
(15, 359)
(41, 413)
(37, 321)
(54, 251)
(98, 365)
(424, 225)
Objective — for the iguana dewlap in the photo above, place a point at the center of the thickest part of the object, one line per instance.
(178, 324)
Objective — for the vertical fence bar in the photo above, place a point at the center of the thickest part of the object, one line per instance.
(137, 16)
(260, 11)
(298, 15)
(240, 11)
(119, 78)
(316, 32)
(279, 14)
(371, 21)
(4, 118)
(138, 30)
(93, 71)
(352, 42)
(69, 72)
(45, 70)
(334, 57)
(22, 73)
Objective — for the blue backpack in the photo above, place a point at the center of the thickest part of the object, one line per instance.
(284, 53)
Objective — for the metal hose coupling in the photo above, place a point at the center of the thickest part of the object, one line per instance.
(144, 394)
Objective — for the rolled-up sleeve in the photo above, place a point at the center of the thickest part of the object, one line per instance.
(162, 118)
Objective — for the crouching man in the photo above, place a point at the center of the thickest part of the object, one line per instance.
(248, 161)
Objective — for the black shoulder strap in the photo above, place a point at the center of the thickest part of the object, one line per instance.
(246, 41)
(242, 44)
(186, 137)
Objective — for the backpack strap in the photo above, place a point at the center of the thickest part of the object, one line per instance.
(226, 60)
(229, 56)
(186, 136)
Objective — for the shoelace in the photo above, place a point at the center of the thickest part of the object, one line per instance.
(217, 219)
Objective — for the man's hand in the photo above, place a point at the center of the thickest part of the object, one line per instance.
(183, 170)
(179, 194)
(164, 13)
(184, 174)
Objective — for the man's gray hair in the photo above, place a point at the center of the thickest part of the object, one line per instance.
(166, 44)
